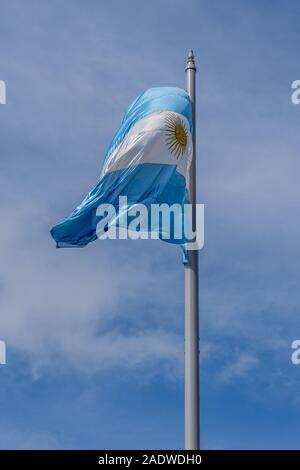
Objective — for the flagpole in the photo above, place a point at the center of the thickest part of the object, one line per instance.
(191, 295)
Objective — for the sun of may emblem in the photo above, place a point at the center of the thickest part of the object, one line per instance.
(176, 135)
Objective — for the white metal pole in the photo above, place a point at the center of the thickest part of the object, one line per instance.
(192, 295)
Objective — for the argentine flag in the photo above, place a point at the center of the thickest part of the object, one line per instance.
(147, 162)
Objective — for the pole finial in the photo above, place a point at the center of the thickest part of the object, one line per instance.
(191, 61)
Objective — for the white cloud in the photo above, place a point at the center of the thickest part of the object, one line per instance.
(81, 308)
(68, 307)
(109, 305)
(24, 439)
(240, 367)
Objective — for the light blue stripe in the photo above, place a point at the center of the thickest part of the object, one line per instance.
(153, 100)
(149, 183)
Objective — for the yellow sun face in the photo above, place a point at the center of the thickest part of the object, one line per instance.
(176, 135)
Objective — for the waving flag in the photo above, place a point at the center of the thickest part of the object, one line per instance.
(151, 162)
(147, 162)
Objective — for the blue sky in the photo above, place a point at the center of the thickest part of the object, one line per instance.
(95, 336)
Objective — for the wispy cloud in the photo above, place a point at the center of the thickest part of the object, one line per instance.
(119, 306)
(239, 368)
(16, 439)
